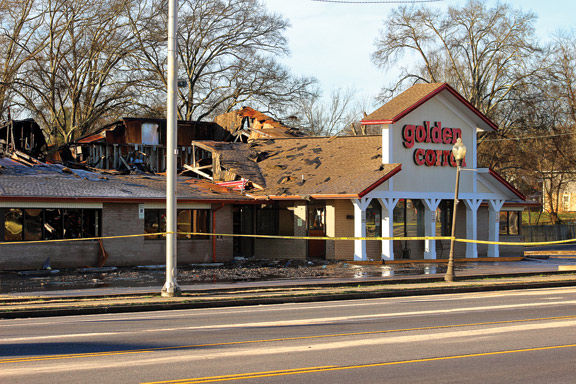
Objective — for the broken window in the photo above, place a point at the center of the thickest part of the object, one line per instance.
(267, 220)
(188, 221)
(48, 224)
(184, 224)
(374, 219)
(150, 134)
(13, 224)
(53, 223)
(72, 223)
(91, 223)
(154, 222)
(33, 224)
(201, 222)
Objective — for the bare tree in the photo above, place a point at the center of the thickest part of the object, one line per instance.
(79, 77)
(227, 51)
(324, 117)
(19, 21)
(485, 53)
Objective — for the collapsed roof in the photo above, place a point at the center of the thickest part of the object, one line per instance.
(252, 124)
(305, 167)
(43, 181)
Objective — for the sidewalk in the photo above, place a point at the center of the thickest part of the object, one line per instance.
(485, 277)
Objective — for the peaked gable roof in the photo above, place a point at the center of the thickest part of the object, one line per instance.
(414, 97)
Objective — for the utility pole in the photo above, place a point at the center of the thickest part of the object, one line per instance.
(171, 287)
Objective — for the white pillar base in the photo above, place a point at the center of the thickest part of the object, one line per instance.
(430, 206)
(360, 206)
(388, 205)
(494, 207)
(472, 206)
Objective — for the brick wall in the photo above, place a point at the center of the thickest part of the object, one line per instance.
(120, 219)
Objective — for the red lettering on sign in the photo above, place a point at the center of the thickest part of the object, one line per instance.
(430, 157)
(452, 160)
(419, 156)
(427, 133)
(420, 134)
(447, 136)
(408, 133)
(436, 133)
(456, 133)
(446, 158)
(438, 158)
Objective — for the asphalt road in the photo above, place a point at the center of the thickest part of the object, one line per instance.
(526, 336)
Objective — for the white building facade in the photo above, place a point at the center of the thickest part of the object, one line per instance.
(419, 128)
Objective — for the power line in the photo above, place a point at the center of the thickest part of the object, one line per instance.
(531, 137)
(377, 1)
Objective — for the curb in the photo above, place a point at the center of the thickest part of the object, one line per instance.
(315, 284)
(279, 300)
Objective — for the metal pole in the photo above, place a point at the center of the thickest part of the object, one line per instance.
(450, 270)
(171, 287)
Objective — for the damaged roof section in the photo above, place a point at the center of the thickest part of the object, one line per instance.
(24, 136)
(132, 130)
(248, 124)
(231, 161)
(344, 165)
(53, 181)
(311, 166)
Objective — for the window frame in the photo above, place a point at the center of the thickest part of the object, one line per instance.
(60, 232)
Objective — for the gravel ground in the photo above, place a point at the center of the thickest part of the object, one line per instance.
(240, 270)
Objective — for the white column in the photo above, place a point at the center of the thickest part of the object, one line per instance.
(360, 206)
(430, 206)
(388, 205)
(494, 207)
(472, 226)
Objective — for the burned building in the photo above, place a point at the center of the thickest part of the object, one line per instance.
(24, 136)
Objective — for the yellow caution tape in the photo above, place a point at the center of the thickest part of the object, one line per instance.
(82, 239)
(297, 238)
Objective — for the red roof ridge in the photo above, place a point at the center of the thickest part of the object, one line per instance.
(494, 174)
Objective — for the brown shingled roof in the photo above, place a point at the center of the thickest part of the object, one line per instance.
(347, 165)
(395, 107)
(412, 98)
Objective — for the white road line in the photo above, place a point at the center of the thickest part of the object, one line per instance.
(308, 321)
(176, 357)
(189, 313)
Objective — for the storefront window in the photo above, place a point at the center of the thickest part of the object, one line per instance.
(267, 220)
(201, 222)
(53, 223)
(188, 221)
(510, 223)
(13, 224)
(31, 224)
(409, 218)
(154, 222)
(374, 219)
(184, 224)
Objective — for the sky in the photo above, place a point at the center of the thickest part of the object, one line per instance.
(333, 42)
